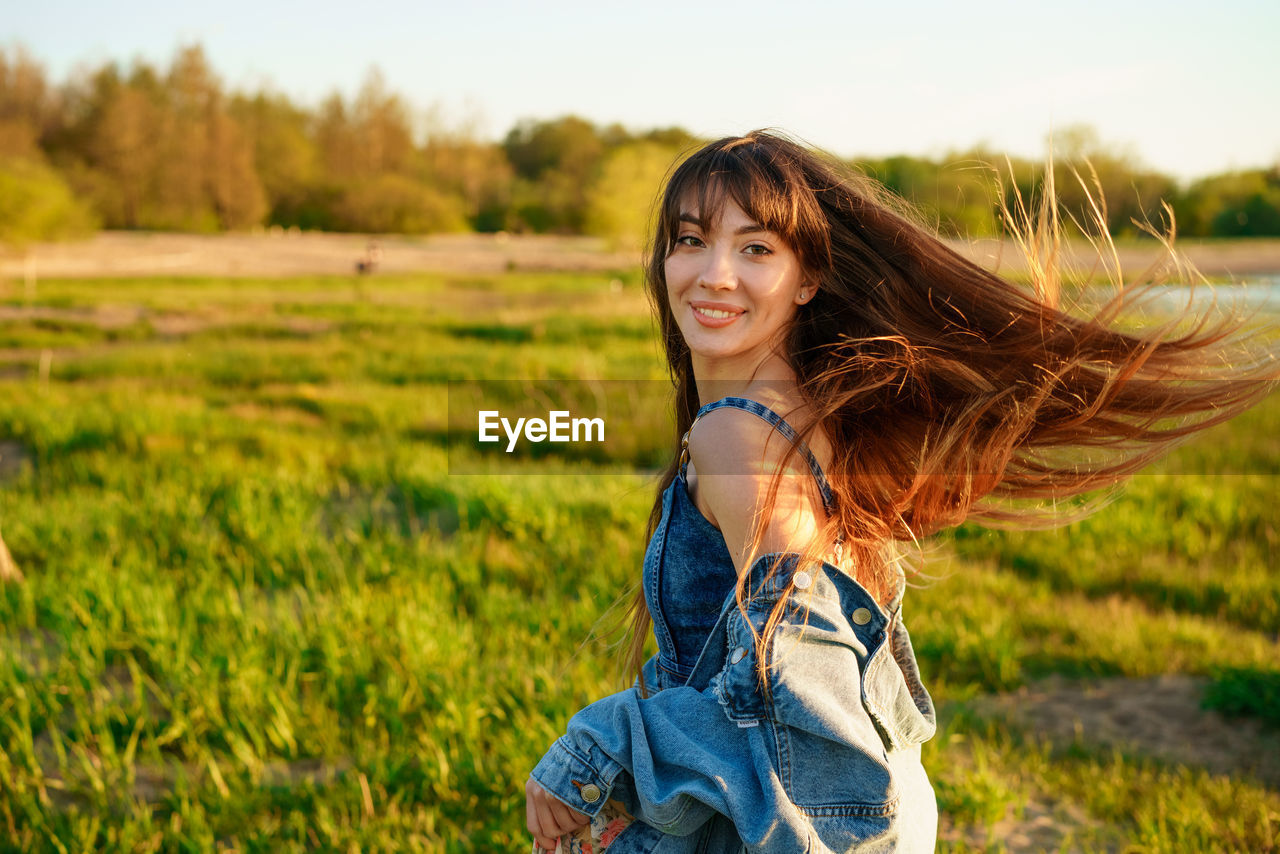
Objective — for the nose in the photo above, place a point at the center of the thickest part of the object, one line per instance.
(717, 271)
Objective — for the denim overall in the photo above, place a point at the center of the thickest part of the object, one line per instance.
(827, 759)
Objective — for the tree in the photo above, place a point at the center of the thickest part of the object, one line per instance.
(36, 204)
(568, 144)
(335, 137)
(381, 121)
(370, 137)
(1232, 204)
(475, 172)
(556, 161)
(622, 202)
(121, 127)
(159, 151)
(395, 203)
(27, 108)
(1084, 167)
(231, 183)
(455, 160)
(675, 138)
(179, 175)
(206, 179)
(958, 195)
(285, 157)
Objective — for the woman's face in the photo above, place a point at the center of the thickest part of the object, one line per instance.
(732, 289)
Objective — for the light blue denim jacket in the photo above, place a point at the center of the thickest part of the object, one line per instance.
(826, 759)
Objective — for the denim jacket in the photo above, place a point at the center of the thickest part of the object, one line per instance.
(827, 758)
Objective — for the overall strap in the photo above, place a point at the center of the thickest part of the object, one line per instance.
(759, 409)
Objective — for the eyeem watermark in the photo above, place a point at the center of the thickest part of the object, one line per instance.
(555, 426)
(559, 426)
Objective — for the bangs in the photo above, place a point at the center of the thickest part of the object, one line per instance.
(769, 187)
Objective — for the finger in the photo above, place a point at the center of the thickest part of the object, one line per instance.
(547, 815)
(567, 819)
(547, 825)
(533, 797)
(537, 815)
(531, 814)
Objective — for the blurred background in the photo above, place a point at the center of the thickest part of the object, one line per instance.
(254, 595)
(428, 118)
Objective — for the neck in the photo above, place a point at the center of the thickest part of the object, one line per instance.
(718, 379)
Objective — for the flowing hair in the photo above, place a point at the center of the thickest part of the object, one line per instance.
(947, 392)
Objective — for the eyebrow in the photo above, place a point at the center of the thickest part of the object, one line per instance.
(749, 228)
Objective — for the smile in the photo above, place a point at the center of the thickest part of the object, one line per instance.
(714, 317)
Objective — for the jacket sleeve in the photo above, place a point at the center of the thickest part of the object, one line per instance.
(677, 758)
(674, 760)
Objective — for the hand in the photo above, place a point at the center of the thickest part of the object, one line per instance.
(547, 817)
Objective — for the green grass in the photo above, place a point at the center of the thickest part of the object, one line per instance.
(1246, 692)
(259, 613)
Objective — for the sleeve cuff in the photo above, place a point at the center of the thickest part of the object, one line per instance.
(573, 778)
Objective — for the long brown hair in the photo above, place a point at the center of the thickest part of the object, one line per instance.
(947, 392)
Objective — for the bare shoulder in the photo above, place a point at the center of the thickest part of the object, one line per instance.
(734, 455)
(730, 441)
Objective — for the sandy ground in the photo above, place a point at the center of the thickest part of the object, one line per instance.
(1158, 717)
(120, 253)
(282, 253)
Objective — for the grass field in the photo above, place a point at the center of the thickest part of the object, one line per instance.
(259, 614)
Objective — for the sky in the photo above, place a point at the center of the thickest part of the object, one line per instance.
(1189, 89)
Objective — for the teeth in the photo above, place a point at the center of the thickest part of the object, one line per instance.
(715, 312)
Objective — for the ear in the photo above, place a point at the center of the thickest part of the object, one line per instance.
(807, 292)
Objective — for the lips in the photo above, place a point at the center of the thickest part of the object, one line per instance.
(715, 314)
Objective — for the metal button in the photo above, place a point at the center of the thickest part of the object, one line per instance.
(802, 581)
(861, 616)
(737, 655)
(590, 793)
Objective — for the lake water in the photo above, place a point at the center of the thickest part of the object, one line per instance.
(1258, 291)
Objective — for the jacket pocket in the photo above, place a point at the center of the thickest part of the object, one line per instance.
(737, 685)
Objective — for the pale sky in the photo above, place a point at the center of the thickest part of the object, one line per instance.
(1190, 88)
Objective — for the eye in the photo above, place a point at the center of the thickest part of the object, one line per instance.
(689, 240)
(758, 249)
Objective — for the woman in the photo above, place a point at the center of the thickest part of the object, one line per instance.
(845, 383)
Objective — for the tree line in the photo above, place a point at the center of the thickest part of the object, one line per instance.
(170, 149)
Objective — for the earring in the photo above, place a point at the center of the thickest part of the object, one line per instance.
(804, 295)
